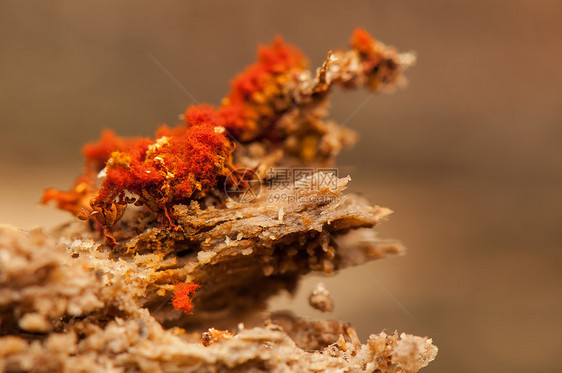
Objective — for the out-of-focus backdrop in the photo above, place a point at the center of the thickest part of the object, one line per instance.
(469, 155)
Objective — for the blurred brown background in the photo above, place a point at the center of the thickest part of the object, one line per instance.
(469, 155)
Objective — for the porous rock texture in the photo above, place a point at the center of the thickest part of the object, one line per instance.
(62, 310)
(69, 303)
(229, 250)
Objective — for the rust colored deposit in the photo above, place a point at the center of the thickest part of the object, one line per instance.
(193, 160)
(170, 265)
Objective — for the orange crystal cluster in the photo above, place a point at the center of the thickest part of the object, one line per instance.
(182, 163)
(182, 299)
(192, 160)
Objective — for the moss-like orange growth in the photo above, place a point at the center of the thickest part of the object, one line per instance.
(192, 161)
(180, 163)
(182, 299)
(362, 42)
(76, 199)
(97, 154)
(377, 68)
(247, 111)
(183, 163)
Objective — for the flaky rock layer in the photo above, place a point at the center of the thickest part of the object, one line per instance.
(184, 237)
(270, 241)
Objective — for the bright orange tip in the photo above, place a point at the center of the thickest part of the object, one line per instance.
(362, 41)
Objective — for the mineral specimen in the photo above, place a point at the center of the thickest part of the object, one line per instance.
(320, 298)
(197, 234)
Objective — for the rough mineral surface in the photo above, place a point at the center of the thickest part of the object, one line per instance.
(320, 299)
(229, 251)
(60, 314)
(73, 304)
(74, 300)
